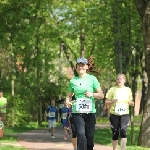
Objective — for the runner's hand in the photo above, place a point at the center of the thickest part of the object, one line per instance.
(114, 100)
(88, 94)
(68, 104)
(131, 103)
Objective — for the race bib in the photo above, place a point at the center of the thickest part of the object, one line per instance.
(51, 114)
(84, 105)
(121, 109)
(64, 115)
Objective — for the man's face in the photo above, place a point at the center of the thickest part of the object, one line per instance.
(1, 94)
(53, 102)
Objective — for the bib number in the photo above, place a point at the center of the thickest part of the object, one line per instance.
(121, 109)
(84, 105)
(64, 115)
(51, 114)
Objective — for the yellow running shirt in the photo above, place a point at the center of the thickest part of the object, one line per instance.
(124, 95)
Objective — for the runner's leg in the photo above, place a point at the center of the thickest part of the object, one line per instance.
(124, 122)
(90, 120)
(114, 120)
(79, 124)
(53, 125)
(65, 128)
(74, 143)
(49, 126)
(74, 133)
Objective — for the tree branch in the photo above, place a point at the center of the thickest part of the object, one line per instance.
(140, 5)
(68, 58)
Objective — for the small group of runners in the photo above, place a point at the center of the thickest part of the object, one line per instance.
(82, 118)
(78, 112)
(64, 116)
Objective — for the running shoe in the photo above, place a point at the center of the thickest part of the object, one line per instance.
(52, 137)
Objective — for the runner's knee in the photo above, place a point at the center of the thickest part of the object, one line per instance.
(74, 134)
(115, 136)
(123, 133)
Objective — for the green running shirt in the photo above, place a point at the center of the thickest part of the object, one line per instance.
(79, 86)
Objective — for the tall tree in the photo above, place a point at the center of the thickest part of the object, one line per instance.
(143, 7)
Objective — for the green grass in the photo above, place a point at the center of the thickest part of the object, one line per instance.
(8, 147)
(106, 119)
(9, 138)
(29, 127)
(137, 118)
(103, 137)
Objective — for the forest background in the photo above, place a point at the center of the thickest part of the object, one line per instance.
(40, 41)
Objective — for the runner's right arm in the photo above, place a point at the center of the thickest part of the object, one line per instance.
(69, 98)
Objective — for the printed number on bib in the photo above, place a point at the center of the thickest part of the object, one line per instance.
(121, 109)
(64, 115)
(84, 105)
(51, 114)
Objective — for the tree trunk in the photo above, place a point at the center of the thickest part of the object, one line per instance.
(82, 41)
(143, 8)
(144, 91)
(38, 94)
(60, 58)
(117, 40)
(64, 48)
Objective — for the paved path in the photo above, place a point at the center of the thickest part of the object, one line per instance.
(41, 140)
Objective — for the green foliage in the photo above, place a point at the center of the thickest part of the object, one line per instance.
(102, 120)
(31, 34)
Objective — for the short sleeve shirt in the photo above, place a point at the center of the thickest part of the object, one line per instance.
(124, 95)
(79, 86)
(64, 111)
(3, 101)
(51, 111)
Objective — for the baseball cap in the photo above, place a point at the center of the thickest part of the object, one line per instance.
(82, 60)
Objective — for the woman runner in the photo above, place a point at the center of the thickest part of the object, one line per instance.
(120, 98)
(86, 88)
